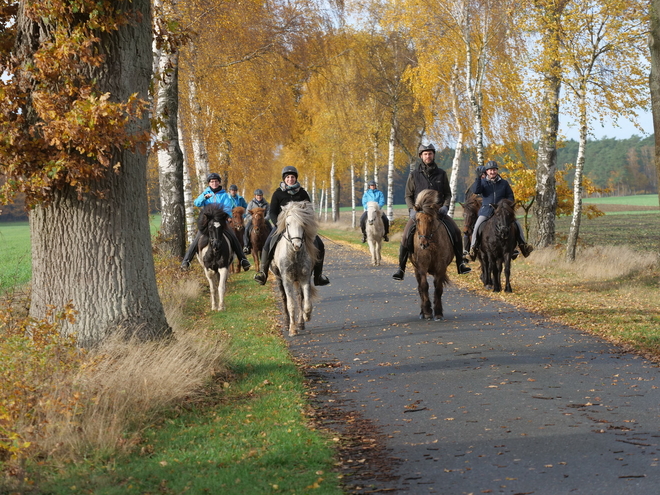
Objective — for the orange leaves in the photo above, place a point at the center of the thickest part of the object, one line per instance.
(61, 129)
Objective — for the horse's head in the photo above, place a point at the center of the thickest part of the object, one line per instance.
(297, 223)
(237, 217)
(211, 223)
(504, 216)
(470, 213)
(258, 218)
(373, 212)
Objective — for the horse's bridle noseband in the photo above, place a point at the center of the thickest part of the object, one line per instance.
(288, 237)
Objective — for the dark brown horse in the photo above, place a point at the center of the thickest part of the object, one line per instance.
(239, 228)
(496, 246)
(258, 234)
(432, 253)
(470, 214)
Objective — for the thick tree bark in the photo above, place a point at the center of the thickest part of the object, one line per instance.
(654, 45)
(96, 252)
(172, 238)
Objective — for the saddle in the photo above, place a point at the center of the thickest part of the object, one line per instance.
(410, 244)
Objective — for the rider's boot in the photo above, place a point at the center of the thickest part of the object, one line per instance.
(526, 249)
(319, 278)
(466, 246)
(403, 259)
(364, 237)
(190, 254)
(262, 276)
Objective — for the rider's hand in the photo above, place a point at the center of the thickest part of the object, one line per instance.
(443, 211)
(207, 196)
(481, 170)
(412, 213)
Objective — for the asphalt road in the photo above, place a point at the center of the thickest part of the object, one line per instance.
(490, 400)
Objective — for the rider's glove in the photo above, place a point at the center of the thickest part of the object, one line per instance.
(481, 170)
(412, 213)
(443, 211)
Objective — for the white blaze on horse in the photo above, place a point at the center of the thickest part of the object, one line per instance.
(215, 253)
(375, 231)
(293, 262)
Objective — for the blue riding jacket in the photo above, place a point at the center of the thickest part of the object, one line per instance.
(492, 192)
(373, 195)
(237, 201)
(221, 198)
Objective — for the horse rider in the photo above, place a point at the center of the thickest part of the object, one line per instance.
(429, 176)
(214, 193)
(289, 190)
(481, 172)
(235, 198)
(493, 188)
(373, 194)
(257, 202)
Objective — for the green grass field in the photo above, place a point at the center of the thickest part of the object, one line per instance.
(639, 200)
(15, 255)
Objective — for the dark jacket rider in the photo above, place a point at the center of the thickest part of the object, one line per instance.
(429, 176)
(289, 190)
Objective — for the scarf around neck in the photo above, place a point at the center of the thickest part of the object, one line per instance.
(290, 189)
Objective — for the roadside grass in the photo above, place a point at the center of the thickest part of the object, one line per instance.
(15, 262)
(611, 291)
(248, 434)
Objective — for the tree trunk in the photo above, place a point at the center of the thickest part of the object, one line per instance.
(172, 237)
(574, 231)
(456, 164)
(191, 223)
(366, 173)
(390, 171)
(654, 45)
(333, 191)
(353, 214)
(96, 252)
(200, 152)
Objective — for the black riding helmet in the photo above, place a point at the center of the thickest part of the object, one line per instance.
(371, 183)
(212, 176)
(233, 187)
(492, 164)
(289, 170)
(425, 147)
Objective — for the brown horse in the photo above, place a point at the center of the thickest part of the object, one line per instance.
(470, 214)
(432, 253)
(239, 228)
(496, 246)
(258, 234)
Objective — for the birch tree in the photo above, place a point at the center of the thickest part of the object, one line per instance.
(654, 46)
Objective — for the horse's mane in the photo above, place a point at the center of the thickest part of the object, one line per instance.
(303, 213)
(427, 201)
(373, 205)
(506, 210)
(471, 211)
(238, 210)
(211, 212)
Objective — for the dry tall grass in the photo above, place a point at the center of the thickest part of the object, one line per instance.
(598, 262)
(111, 393)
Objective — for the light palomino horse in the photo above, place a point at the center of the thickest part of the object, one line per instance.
(293, 262)
(375, 231)
(432, 253)
(215, 253)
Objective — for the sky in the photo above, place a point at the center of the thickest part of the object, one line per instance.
(624, 130)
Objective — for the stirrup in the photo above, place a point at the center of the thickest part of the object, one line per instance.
(515, 254)
(245, 264)
(473, 254)
(463, 269)
(185, 265)
(246, 250)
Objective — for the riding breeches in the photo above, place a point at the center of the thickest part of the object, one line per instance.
(519, 234)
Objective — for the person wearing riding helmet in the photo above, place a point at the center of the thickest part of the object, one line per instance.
(493, 188)
(373, 194)
(235, 198)
(257, 202)
(289, 190)
(429, 176)
(215, 194)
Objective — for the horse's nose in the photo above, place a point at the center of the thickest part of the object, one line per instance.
(297, 244)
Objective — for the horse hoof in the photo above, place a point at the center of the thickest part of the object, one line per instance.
(293, 333)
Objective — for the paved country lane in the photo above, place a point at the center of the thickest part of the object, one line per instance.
(490, 400)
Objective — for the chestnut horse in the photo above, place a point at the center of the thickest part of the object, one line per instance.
(432, 254)
(258, 234)
(239, 229)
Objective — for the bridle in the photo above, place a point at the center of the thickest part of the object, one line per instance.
(289, 238)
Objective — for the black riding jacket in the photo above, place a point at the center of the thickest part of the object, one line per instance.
(428, 177)
(281, 198)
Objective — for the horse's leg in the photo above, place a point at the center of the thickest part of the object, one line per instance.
(285, 304)
(223, 274)
(379, 247)
(300, 313)
(507, 272)
(437, 297)
(306, 289)
(423, 289)
(497, 274)
(211, 276)
(291, 302)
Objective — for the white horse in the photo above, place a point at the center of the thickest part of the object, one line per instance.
(215, 253)
(293, 262)
(375, 231)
